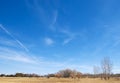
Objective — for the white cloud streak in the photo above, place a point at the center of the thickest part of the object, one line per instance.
(9, 54)
(7, 42)
(70, 36)
(66, 41)
(48, 18)
(55, 16)
(48, 41)
(20, 56)
(7, 32)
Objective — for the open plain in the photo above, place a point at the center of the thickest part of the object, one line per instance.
(55, 80)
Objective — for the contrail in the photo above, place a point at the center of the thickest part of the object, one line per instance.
(7, 32)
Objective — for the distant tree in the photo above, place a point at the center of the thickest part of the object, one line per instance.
(51, 75)
(79, 74)
(11, 75)
(68, 73)
(96, 71)
(2, 75)
(34, 75)
(65, 73)
(19, 75)
(106, 66)
(58, 75)
(73, 74)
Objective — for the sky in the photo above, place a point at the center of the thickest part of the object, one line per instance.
(45, 36)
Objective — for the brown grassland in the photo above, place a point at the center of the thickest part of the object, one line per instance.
(55, 80)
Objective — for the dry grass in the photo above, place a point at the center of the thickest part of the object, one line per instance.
(54, 80)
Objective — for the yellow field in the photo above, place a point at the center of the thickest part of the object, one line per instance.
(54, 80)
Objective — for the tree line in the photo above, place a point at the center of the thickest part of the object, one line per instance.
(103, 72)
(19, 75)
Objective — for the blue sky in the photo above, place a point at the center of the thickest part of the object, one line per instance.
(45, 36)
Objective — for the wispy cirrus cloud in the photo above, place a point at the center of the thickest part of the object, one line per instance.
(54, 20)
(81, 67)
(13, 50)
(19, 42)
(70, 36)
(47, 17)
(14, 55)
(66, 41)
(8, 42)
(48, 41)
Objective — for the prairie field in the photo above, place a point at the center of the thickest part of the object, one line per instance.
(54, 80)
